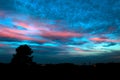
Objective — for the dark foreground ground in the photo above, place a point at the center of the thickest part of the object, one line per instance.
(61, 72)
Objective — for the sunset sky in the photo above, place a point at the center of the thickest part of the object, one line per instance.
(60, 31)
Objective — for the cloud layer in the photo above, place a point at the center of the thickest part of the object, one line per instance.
(61, 28)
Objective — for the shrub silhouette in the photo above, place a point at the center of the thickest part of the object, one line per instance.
(23, 55)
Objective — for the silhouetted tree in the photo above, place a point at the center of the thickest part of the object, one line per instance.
(23, 55)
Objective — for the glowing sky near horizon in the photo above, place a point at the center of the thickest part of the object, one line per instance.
(77, 31)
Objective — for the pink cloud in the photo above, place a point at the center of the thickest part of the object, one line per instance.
(1, 45)
(61, 34)
(17, 34)
(33, 26)
(20, 32)
(45, 30)
(97, 39)
(37, 29)
(23, 24)
(78, 49)
(13, 33)
(20, 37)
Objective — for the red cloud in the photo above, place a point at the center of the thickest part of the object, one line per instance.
(20, 37)
(17, 34)
(34, 27)
(13, 33)
(22, 24)
(46, 31)
(20, 32)
(61, 34)
(97, 39)
(78, 49)
(1, 45)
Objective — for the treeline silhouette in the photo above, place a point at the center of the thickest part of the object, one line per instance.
(22, 67)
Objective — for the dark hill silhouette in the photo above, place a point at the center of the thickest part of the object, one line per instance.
(63, 71)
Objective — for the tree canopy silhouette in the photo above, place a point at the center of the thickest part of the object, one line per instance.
(23, 55)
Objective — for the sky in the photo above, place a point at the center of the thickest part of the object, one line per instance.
(61, 31)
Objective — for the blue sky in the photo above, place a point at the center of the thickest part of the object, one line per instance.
(58, 31)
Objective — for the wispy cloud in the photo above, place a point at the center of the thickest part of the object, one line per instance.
(83, 27)
(97, 39)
